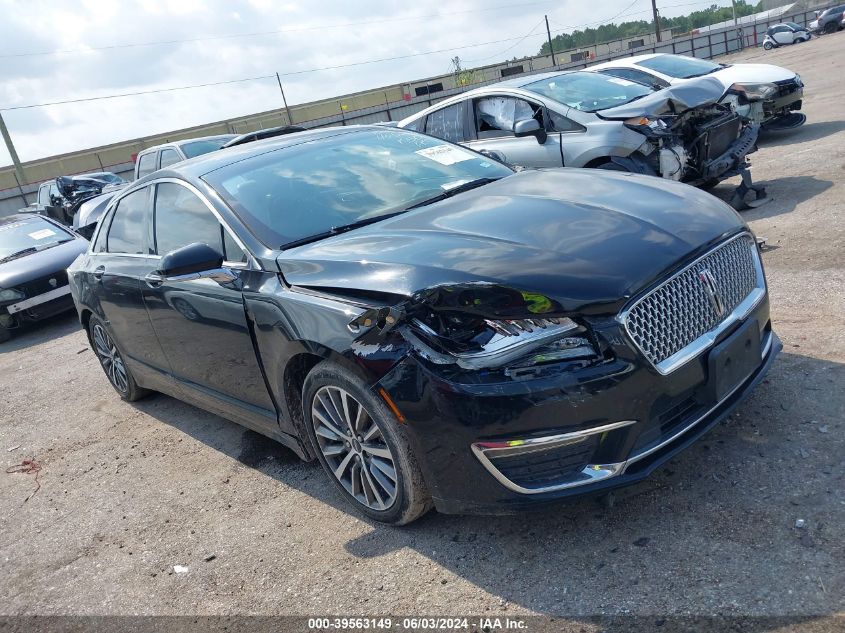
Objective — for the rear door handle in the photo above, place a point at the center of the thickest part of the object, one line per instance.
(99, 271)
(153, 279)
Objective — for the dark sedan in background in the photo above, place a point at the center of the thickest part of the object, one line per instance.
(433, 327)
(34, 253)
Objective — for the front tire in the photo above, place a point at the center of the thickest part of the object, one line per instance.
(768, 46)
(112, 362)
(5, 334)
(362, 446)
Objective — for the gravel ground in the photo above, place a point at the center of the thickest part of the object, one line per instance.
(130, 491)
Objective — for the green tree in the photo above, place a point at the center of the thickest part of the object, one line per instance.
(625, 30)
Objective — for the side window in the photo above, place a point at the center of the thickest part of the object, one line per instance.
(182, 218)
(495, 116)
(128, 224)
(54, 195)
(44, 195)
(146, 164)
(448, 123)
(560, 123)
(638, 76)
(169, 156)
(415, 124)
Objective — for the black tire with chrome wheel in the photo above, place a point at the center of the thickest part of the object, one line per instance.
(362, 447)
(112, 361)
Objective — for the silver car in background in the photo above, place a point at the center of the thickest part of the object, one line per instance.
(586, 119)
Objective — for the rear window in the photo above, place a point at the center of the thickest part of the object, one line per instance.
(198, 148)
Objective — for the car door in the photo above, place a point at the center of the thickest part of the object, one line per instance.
(201, 323)
(146, 164)
(493, 118)
(119, 260)
(782, 34)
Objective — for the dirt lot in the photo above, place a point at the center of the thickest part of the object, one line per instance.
(129, 491)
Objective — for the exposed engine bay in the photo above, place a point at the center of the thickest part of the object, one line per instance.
(693, 138)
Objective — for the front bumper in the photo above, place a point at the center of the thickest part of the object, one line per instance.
(457, 424)
(37, 307)
(732, 160)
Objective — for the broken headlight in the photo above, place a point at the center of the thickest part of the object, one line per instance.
(10, 294)
(756, 92)
(488, 343)
(644, 124)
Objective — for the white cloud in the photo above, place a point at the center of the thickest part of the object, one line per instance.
(48, 25)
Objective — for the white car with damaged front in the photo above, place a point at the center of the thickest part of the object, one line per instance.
(767, 94)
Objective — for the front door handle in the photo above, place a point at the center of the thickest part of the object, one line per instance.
(99, 271)
(153, 279)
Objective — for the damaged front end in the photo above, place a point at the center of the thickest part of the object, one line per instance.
(483, 327)
(693, 138)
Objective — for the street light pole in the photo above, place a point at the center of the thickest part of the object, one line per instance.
(10, 146)
(656, 19)
(284, 100)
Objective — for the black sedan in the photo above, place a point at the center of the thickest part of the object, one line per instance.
(433, 327)
(34, 253)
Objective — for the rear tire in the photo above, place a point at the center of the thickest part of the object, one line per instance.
(111, 359)
(5, 334)
(830, 27)
(768, 46)
(378, 472)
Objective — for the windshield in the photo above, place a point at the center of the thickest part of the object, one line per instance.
(305, 190)
(679, 66)
(33, 232)
(206, 145)
(589, 92)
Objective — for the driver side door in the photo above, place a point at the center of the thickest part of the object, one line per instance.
(493, 118)
(201, 323)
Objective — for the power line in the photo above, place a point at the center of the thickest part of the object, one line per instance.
(518, 40)
(276, 32)
(527, 35)
(140, 92)
(287, 74)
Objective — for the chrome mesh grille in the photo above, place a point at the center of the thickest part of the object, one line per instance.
(678, 312)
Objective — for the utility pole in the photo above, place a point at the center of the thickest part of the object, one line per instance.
(733, 4)
(9, 146)
(656, 19)
(285, 101)
(551, 46)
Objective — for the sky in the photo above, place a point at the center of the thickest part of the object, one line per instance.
(57, 50)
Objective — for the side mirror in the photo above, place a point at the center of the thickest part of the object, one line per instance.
(190, 260)
(530, 127)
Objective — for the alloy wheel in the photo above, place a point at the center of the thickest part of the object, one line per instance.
(110, 359)
(354, 448)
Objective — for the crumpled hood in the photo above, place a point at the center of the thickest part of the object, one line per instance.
(36, 265)
(92, 209)
(586, 239)
(752, 74)
(678, 98)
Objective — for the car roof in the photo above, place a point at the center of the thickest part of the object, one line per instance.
(195, 168)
